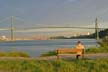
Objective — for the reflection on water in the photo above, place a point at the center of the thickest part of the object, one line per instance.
(37, 47)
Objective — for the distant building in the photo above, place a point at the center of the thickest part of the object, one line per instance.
(88, 33)
(3, 38)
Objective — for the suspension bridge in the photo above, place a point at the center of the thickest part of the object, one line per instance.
(12, 27)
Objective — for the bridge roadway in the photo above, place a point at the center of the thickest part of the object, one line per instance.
(50, 27)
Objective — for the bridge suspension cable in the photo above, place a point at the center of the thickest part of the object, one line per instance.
(96, 28)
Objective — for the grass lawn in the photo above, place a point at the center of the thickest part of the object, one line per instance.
(86, 65)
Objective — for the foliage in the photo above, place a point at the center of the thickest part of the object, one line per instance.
(103, 47)
(50, 53)
(59, 37)
(13, 54)
(102, 34)
(104, 42)
(97, 50)
(20, 65)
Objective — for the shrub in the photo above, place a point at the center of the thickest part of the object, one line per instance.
(104, 42)
(50, 53)
(14, 54)
(87, 65)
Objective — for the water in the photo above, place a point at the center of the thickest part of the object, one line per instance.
(37, 47)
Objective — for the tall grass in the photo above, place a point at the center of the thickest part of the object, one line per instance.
(97, 65)
(50, 53)
(14, 54)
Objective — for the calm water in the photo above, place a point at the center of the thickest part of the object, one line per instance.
(37, 47)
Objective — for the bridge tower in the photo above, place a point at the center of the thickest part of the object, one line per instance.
(96, 29)
(12, 28)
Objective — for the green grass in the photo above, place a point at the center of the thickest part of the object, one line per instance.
(97, 50)
(97, 65)
(14, 54)
(50, 53)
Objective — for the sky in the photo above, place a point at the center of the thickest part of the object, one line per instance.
(33, 13)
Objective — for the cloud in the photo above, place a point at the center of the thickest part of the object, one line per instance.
(69, 1)
(72, 0)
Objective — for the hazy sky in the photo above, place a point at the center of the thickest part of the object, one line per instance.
(31, 13)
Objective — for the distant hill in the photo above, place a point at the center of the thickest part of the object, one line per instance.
(102, 34)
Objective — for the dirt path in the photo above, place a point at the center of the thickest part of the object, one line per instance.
(73, 56)
(62, 56)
